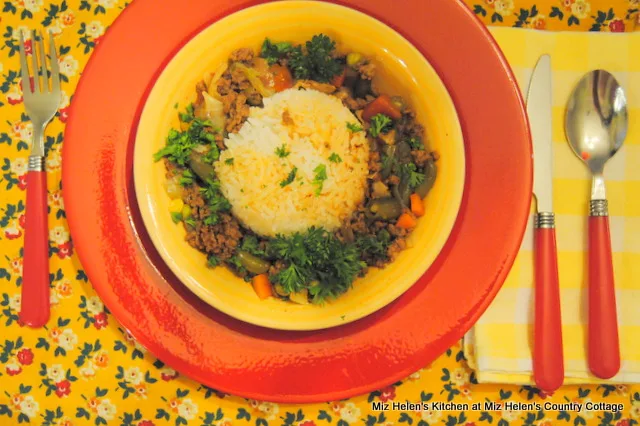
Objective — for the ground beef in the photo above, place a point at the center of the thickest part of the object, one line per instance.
(239, 80)
(346, 96)
(220, 141)
(421, 157)
(393, 180)
(407, 127)
(254, 98)
(193, 197)
(374, 162)
(358, 222)
(224, 84)
(276, 267)
(395, 248)
(242, 55)
(367, 70)
(236, 110)
(220, 240)
(397, 232)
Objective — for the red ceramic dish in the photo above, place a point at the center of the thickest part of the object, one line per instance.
(273, 365)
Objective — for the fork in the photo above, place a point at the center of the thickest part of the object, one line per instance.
(41, 101)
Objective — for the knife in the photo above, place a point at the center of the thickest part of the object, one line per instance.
(548, 365)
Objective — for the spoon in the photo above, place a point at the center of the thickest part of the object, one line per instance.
(596, 125)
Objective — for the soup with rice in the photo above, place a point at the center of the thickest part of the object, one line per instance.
(292, 170)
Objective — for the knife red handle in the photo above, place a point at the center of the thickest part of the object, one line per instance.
(548, 360)
(604, 349)
(34, 309)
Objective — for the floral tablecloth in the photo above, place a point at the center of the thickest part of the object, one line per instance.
(84, 369)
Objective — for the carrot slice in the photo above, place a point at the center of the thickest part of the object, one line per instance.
(338, 80)
(381, 105)
(406, 221)
(282, 79)
(417, 206)
(262, 286)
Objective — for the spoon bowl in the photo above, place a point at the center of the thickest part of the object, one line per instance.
(597, 119)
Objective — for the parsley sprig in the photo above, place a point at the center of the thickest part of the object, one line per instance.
(319, 178)
(317, 261)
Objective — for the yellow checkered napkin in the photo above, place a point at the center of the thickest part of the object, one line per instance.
(499, 346)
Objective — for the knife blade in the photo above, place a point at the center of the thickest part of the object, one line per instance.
(539, 112)
(548, 360)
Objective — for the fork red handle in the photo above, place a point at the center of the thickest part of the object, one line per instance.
(548, 360)
(604, 349)
(34, 309)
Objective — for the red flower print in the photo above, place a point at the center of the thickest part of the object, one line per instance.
(63, 114)
(307, 423)
(14, 99)
(65, 250)
(22, 220)
(623, 422)
(12, 233)
(25, 356)
(22, 182)
(100, 320)
(63, 388)
(12, 370)
(146, 423)
(616, 26)
(387, 394)
(168, 376)
(470, 424)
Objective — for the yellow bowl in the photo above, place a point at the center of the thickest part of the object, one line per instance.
(404, 72)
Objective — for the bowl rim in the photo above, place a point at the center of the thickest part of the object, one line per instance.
(356, 313)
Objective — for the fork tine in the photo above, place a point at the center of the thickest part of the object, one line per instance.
(24, 68)
(53, 58)
(34, 58)
(43, 65)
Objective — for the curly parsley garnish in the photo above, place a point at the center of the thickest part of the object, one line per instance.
(317, 62)
(317, 261)
(413, 176)
(354, 127)
(290, 178)
(181, 143)
(415, 143)
(282, 152)
(335, 158)
(319, 178)
(380, 123)
(272, 52)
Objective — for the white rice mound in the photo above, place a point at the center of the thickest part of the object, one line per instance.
(313, 128)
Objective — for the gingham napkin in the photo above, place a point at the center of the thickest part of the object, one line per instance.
(499, 346)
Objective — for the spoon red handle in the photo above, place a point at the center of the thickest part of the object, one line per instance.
(548, 362)
(604, 349)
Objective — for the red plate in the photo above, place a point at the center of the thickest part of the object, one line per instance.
(264, 364)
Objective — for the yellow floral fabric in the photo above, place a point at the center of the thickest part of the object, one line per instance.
(560, 15)
(83, 369)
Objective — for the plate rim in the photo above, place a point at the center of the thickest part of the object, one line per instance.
(438, 345)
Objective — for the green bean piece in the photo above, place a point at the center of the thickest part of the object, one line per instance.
(386, 208)
(430, 173)
(253, 263)
(202, 169)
